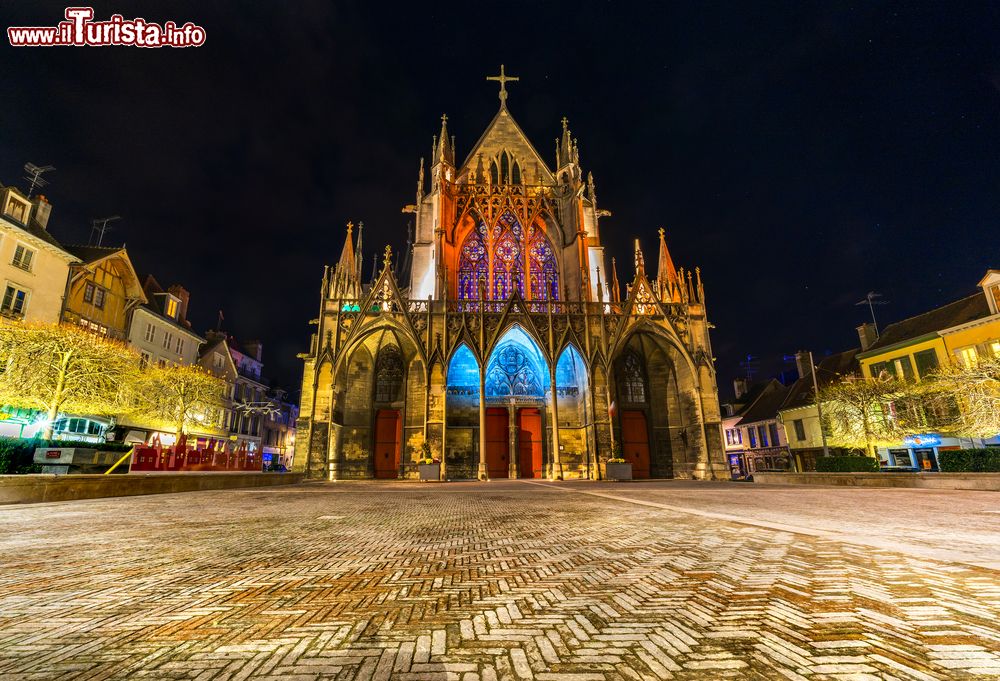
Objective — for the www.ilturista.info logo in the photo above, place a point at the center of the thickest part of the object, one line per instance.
(80, 30)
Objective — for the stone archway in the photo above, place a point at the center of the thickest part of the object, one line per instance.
(659, 409)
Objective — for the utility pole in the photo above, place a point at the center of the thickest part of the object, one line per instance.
(819, 404)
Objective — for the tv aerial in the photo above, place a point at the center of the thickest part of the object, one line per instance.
(100, 228)
(34, 176)
(871, 299)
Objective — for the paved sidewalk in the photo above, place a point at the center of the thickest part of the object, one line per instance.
(471, 581)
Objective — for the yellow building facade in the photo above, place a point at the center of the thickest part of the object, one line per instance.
(102, 291)
(961, 331)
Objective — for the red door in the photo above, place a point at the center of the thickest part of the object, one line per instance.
(635, 442)
(497, 434)
(529, 443)
(388, 434)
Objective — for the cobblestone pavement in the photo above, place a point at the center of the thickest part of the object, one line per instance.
(467, 581)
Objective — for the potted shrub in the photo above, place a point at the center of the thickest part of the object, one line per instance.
(617, 468)
(428, 468)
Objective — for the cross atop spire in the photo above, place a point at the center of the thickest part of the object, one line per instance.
(503, 78)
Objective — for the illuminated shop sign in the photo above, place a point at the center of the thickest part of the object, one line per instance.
(925, 440)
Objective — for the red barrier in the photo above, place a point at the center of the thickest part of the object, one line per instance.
(179, 458)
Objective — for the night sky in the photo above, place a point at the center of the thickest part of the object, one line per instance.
(801, 154)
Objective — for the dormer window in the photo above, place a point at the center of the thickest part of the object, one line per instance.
(17, 208)
(170, 308)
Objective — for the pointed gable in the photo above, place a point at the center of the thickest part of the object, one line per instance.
(503, 133)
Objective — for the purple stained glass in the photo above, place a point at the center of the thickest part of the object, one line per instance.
(542, 264)
(473, 264)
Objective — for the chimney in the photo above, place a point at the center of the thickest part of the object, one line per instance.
(255, 349)
(867, 335)
(42, 211)
(185, 298)
(802, 363)
(740, 387)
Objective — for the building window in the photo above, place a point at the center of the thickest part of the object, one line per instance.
(17, 209)
(800, 429)
(150, 332)
(167, 337)
(14, 301)
(926, 361)
(171, 308)
(180, 346)
(762, 435)
(994, 348)
(94, 295)
(772, 429)
(144, 358)
(968, 356)
(23, 258)
(633, 379)
(388, 374)
(753, 437)
(729, 437)
(162, 363)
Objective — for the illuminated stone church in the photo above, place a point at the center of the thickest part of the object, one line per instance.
(503, 339)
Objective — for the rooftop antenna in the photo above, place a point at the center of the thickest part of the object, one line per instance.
(34, 176)
(871, 299)
(100, 227)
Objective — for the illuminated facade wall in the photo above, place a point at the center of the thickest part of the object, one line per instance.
(513, 335)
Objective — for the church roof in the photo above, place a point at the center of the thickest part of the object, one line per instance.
(503, 132)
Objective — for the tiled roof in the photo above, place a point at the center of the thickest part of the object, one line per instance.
(767, 404)
(955, 313)
(91, 253)
(830, 368)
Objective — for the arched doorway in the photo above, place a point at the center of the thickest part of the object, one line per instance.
(633, 391)
(462, 414)
(388, 420)
(575, 418)
(516, 380)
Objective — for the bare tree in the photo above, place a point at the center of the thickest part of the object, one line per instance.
(63, 368)
(858, 412)
(967, 398)
(182, 396)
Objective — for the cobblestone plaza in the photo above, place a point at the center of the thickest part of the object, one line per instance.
(503, 580)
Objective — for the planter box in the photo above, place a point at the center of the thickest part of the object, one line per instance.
(618, 471)
(429, 471)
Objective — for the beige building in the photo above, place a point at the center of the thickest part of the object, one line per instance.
(103, 291)
(33, 266)
(799, 415)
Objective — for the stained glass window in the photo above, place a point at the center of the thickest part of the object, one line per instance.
(542, 264)
(632, 382)
(502, 250)
(508, 258)
(473, 264)
(516, 367)
(388, 374)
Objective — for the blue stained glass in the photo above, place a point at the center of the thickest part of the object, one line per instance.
(463, 369)
(570, 369)
(516, 367)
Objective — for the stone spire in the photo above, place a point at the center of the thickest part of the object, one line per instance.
(564, 146)
(345, 282)
(666, 275)
(420, 181)
(357, 252)
(445, 151)
(616, 292)
(640, 261)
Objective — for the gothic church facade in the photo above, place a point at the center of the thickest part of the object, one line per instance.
(505, 342)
